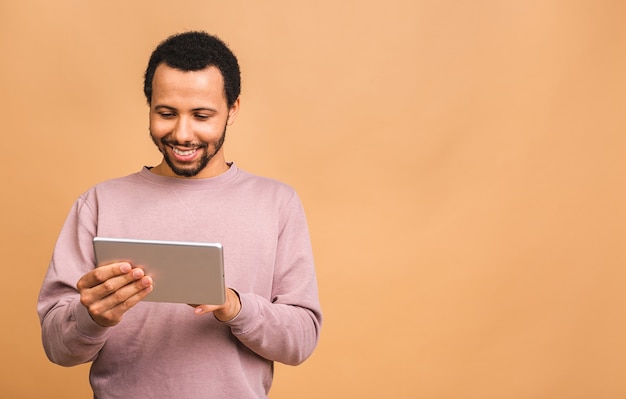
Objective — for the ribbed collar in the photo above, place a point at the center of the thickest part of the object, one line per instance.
(190, 184)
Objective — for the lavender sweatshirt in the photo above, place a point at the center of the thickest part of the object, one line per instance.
(162, 350)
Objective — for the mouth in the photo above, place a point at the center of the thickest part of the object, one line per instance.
(185, 154)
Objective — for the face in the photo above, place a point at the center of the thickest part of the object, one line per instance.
(188, 120)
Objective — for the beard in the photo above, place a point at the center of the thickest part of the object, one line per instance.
(192, 169)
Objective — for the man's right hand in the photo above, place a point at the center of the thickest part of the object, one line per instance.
(109, 291)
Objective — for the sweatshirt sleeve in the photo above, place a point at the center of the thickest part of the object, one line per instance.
(69, 335)
(286, 327)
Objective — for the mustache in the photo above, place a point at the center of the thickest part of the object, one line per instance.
(174, 143)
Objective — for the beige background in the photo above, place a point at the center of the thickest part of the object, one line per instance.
(461, 163)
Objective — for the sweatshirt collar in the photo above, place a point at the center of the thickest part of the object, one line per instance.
(187, 183)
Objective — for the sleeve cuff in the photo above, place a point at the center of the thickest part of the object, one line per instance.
(248, 317)
(85, 324)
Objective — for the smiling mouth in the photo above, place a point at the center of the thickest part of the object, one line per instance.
(183, 153)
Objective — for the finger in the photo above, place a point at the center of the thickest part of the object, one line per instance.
(110, 300)
(136, 298)
(113, 284)
(203, 309)
(226, 311)
(109, 311)
(96, 293)
(103, 273)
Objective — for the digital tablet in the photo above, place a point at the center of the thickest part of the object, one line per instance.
(182, 272)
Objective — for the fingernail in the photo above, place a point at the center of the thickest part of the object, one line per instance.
(137, 273)
(198, 311)
(125, 267)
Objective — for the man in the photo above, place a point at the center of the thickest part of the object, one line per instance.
(143, 349)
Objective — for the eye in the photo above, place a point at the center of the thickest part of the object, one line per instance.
(202, 117)
(167, 115)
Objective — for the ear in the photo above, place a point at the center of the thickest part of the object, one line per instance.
(232, 112)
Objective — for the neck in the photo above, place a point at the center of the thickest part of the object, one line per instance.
(214, 168)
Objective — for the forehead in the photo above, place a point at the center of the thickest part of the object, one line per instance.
(174, 84)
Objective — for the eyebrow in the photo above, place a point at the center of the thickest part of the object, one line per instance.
(160, 106)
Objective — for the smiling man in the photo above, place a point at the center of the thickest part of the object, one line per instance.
(188, 120)
(104, 315)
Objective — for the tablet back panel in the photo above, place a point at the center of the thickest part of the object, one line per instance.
(182, 272)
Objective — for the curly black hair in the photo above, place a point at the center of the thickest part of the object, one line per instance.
(194, 51)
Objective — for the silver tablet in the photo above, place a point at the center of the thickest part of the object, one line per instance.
(182, 272)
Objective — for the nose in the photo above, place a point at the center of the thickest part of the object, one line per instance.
(183, 132)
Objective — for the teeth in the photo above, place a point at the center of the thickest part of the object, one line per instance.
(183, 153)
